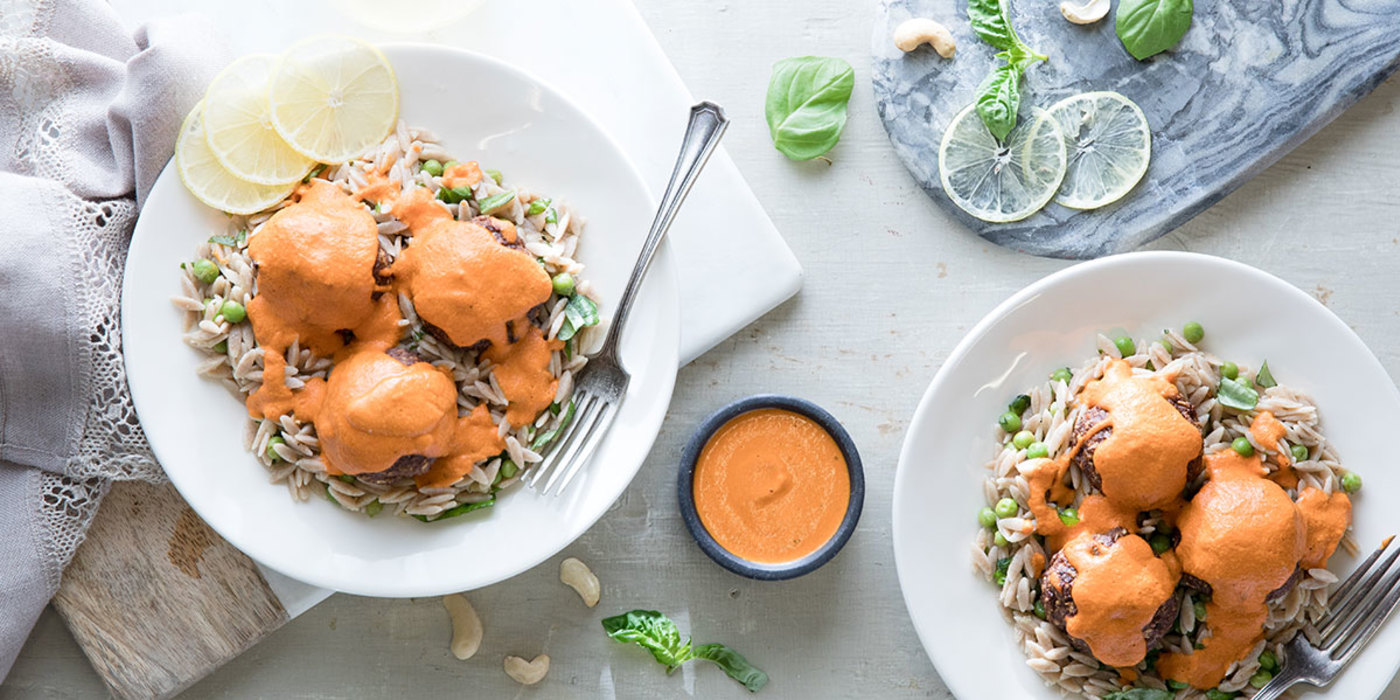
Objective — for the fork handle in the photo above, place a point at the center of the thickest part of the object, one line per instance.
(702, 134)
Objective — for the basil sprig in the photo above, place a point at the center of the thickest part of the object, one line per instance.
(656, 633)
(999, 96)
(1237, 395)
(1140, 694)
(1149, 27)
(806, 105)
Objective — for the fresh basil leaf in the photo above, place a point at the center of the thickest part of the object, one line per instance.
(1140, 694)
(579, 313)
(1264, 378)
(229, 241)
(454, 195)
(551, 216)
(806, 105)
(457, 510)
(495, 175)
(989, 21)
(1003, 565)
(734, 665)
(496, 201)
(999, 100)
(548, 437)
(1149, 27)
(1237, 395)
(537, 207)
(652, 631)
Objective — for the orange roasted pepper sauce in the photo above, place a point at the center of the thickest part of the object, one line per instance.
(771, 486)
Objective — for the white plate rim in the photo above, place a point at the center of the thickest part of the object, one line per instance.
(957, 676)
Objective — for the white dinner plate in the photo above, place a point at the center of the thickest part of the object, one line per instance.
(482, 110)
(1248, 315)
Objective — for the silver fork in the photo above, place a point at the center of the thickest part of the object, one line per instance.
(1355, 611)
(601, 384)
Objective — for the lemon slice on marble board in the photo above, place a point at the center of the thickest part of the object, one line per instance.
(1109, 146)
(1001, 181)
(210, 181)
(238, 125)
(333, 97)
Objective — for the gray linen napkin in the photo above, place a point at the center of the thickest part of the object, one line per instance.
(88, 117)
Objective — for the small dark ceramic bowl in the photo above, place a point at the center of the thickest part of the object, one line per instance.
(785, 570)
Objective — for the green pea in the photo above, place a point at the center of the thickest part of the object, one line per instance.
(1268, 661)
(1167, 345)
(1299, 453)
(432, 167)
(1200, 609)
(1230, 370)
(205, 270)
(563, 284)
(1243, 446)
(233, 312)
(1006, 508)
(1193, 332)
(1037, 450)
(1039, 609)
(1000, 540)
(1351, 482)
(1160, 542)
(450, 165)
(1023, 439)
(987, 518)
(1069, 516)
(509, 468)
(220, 347)
(273, 442)
(1020, 404)
(1177, 685)
(374, 508)
(1125, 345)
(1261, 678)
(1063, 374)
(1218, 694)
(1010, 422)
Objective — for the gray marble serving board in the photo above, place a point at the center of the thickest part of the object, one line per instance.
(1250, 81)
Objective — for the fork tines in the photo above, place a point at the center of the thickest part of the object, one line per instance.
(1360, 604)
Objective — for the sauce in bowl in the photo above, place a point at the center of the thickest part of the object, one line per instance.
(771, 486)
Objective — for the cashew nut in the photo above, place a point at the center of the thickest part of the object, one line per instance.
(576, 575)
(1088, 13)
(527, 672)
(921, 30)
(466, 626)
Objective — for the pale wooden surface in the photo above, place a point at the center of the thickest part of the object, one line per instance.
(149, 563)
(892, 284)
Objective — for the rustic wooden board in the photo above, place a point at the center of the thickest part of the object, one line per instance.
(156, 599)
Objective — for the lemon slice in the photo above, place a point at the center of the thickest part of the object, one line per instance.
(239, 127)
(333, 97)
(1109, 145)
(209, 181)
(1001, 181)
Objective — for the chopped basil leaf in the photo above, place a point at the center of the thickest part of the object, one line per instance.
(579, 313)
(1237, 395)
(454, 195)
(496, 201)
(458, 510)
(495, 175)
(1264, 378)
(537, 207)
(548, 437)
(1140, 694)
(657, 634)
(1003, 564)
(551, 216)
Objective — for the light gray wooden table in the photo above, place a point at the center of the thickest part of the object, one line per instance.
(892, 284)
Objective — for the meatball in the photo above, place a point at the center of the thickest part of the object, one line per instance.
(405, 467)
(1093, 416)
(1057, 596)
(1202, 587)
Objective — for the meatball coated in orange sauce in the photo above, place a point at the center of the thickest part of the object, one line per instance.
(1241, 538)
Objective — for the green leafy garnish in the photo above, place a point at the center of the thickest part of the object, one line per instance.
(1237, 395)
(579, 313)
(496, 201)
(548, 437)
(1149, 27)
(495, 175)
(1003, 565)
(457, 510)
(999, 96)
(1264, 378)
(537, 207)
(1140, 694)
(657, 634)
(230, 241)
(454, 195)
(806, 105)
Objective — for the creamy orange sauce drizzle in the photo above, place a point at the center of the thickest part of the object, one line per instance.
(1125, 583)
(462, 175)
(459, 278)
(1326, 518)
(1267, 431)
(771, 486)
(316, 285)
(1143, 464)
